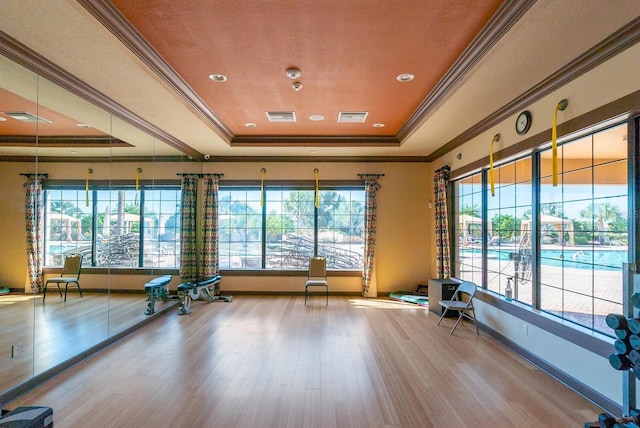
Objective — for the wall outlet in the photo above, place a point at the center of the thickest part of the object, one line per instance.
(15, 351)
(525, 329)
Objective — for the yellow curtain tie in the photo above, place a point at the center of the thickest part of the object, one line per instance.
(86, 187)
(554, 143)
(138, 171)
(495, 139)
(316, 171)
(262, 172)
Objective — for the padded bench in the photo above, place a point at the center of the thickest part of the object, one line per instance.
(209, 288)
(156, 288)
(27, 417)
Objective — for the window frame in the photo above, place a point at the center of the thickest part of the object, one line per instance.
(113, 185)
(534, 153)
(290, 185)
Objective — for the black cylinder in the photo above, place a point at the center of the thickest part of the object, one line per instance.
(633, 324)
(619, 361)
(623, 346)
(634, 341)
(635, 300)
(616, 321)
(622, 333)
(634, 357)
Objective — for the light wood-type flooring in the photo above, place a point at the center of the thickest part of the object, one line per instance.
(269, 361)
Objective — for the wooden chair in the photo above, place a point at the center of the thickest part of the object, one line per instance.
(317, 276)
(463, 303)
(70, 275)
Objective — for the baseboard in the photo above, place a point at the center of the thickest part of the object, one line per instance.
(590, 394)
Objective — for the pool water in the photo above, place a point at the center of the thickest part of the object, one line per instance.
(574, 258)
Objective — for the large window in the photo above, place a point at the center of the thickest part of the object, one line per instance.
(289, 229)
(563, 254)
(467, 228)
(583, 228)
(113, 227)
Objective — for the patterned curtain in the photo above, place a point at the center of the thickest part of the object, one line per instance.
(209, 253)
(370, 219)
(440, 183)
(188, 251)
(33, 210)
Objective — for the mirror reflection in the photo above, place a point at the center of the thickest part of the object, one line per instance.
(93, 178)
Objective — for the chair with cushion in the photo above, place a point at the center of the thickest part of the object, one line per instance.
(70, 275)
(463, 303)
(317, 276)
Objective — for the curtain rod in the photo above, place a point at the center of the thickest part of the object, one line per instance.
(200, 175)
(31, 174)
(370, 175)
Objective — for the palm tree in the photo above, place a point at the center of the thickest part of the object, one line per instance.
(603, 214)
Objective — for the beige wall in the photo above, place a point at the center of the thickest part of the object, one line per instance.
(403, 252)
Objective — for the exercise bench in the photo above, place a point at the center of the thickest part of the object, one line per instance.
(156, 288)
(208, 288)
(27, 417)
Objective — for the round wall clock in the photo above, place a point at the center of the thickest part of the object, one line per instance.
(523, 122)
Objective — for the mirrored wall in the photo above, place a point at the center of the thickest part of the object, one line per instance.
(109, 192)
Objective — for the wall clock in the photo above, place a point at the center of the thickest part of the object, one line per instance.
(523, 122)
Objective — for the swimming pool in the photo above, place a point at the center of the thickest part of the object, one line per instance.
(571, 257)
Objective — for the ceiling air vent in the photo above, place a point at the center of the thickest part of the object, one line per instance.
(281, 116)
(352, 116)
(25, 117)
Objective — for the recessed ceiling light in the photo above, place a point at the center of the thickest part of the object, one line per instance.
(2, 119)
(296, 86)
(316, 117)
(217, 77)
(378, 125)
(405, 77)
(73, 152)
(83, 125)
(250, 125)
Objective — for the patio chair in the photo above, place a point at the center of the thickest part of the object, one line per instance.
(463, 303)
(70, 275)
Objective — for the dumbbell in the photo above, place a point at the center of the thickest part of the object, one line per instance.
(616, 321)
(606, 421)
(620, 361)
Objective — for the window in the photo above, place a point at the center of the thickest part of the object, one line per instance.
(509, 241)
(467, 228)
(289, 228)
(580, 227)
(583, 228)
(105, 226)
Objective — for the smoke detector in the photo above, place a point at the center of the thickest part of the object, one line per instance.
(293, 73)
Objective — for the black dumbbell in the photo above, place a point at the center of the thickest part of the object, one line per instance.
(619, 361)
(616, 321)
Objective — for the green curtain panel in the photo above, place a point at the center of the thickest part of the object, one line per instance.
(188, 247)
(209, 251)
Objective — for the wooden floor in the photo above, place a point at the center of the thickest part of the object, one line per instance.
(272, 362)
(50, 333)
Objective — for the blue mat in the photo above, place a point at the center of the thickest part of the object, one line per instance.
(410, 297)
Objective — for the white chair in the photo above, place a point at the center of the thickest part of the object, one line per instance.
(317, 276)
(463, 303)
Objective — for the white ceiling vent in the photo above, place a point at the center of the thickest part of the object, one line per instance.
(26, 117)
(281, 116)
(352, 116)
